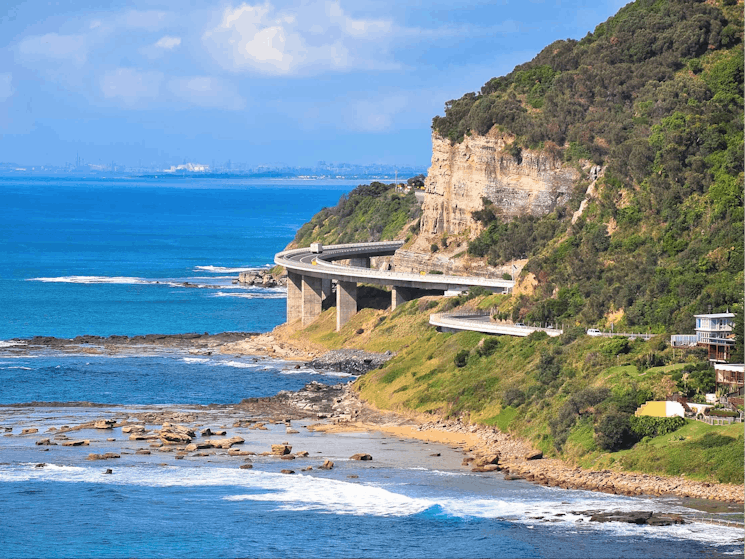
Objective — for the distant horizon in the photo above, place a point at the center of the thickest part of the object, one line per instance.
(320, 170)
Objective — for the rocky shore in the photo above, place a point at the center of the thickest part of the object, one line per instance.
(518, 460)
(352, 361)
(261, 278)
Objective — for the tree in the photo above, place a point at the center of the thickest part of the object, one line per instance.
(737, 329)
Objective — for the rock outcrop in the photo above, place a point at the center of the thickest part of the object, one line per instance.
(482, 167)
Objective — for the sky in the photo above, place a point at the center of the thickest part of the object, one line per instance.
(272, 83)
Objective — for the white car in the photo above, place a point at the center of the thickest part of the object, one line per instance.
(594, 332)
(519, 324)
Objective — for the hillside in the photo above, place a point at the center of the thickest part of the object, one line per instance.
(374, 212)
(571, 396)
(613, 168)
(655, 96)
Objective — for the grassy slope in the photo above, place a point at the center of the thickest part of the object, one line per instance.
(423, 378)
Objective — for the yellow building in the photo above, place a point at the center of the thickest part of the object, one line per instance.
(661, 409)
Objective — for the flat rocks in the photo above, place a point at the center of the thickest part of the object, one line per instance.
(29, 431)
(176, 434)
(360, 457)
(287, 471)
(535, 455)
(107, 456)
(639, 517)
(85, 442)
(327, 465)
(45, 442)
(104, 424)
(280, 449)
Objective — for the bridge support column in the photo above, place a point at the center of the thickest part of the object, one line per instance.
(294, 296)
(399, 296)
(325, 289)
(346, 302)
(363, 262)
(312, 291)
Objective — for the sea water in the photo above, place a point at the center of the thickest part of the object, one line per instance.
(107, 257)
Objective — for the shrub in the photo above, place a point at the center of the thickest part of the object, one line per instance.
(488, 346)
(548, 367)
(461, 358)
(614, 432)
(433, 247)
(513, 397)
(648, 426)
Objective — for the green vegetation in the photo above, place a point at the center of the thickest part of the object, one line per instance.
(373, 212)
(655, 94)
(574, 396)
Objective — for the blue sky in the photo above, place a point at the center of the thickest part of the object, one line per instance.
(277, 82)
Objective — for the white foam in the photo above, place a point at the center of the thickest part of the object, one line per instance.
(124, 280)
(23, 368)
(276, 295)
(11, 343)
(303, 492)
(238, 364)
(195, 360)
(91, 279)
(223, 269)
(315, 372)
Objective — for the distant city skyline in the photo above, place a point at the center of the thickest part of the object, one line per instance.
(160, 83)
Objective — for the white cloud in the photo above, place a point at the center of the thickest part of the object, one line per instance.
(167, 42)
(317, 36)
(131, 86)
(54, 46)
(6, 86)
(205, 91)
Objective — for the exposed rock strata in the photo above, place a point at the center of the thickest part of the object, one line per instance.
(462, 173)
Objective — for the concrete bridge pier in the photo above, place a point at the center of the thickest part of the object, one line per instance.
(294, 296)
(346, 302)
(399, 296)
(326, 289)
(312, 298)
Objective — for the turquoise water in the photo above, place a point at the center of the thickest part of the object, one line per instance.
(107, 257)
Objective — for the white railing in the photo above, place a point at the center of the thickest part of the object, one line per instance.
(454, 320)
(283, 259)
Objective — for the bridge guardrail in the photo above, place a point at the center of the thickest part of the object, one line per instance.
(446, 320)
(282, 259)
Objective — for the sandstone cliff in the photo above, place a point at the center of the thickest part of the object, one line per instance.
(480, 166)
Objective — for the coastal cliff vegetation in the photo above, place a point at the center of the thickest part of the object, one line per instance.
(655, 96)
(374, 212)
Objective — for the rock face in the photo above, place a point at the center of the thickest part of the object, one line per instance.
(352, 361)
(480, 166)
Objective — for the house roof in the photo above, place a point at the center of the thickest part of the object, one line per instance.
(718, 315)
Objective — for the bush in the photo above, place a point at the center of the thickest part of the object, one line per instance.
(488, 346)
(513, 397)
(433, 247)
(571, 333)
(461, 358)
(614, 432)
(648, 426)
(549, 368)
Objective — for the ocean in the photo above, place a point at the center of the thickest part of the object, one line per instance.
(109, 256)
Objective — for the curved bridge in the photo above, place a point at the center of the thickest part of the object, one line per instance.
(477, 322)
(310, 274)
